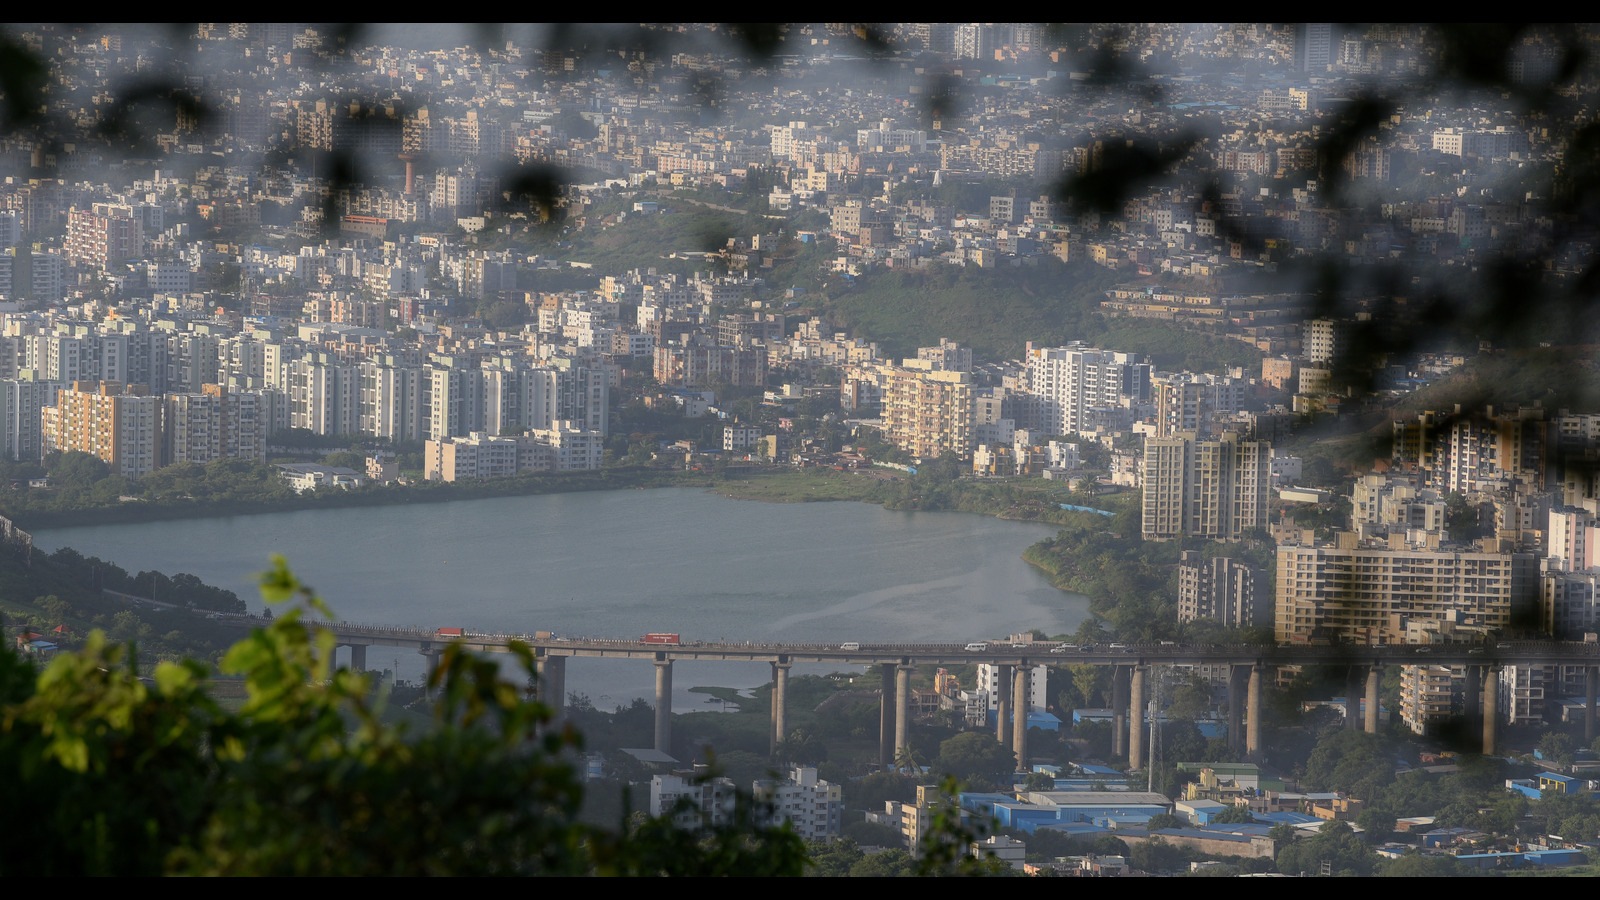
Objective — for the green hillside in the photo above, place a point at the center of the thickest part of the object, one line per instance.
(996, 311)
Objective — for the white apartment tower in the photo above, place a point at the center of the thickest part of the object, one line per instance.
(989, 676)
(1065, 383)
(813, 807)
(21, 405)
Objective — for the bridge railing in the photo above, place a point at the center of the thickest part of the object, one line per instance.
(1042, 650)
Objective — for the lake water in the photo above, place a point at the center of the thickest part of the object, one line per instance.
(621, 563)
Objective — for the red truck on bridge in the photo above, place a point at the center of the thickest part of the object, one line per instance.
(660, 637)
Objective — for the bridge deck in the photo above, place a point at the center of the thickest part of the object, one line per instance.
(1036, 653)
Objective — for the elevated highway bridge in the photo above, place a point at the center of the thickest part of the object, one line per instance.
(1247, 665)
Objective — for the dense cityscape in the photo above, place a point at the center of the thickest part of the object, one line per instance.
(1284, 327)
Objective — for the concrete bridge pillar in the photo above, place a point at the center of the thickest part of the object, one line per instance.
(902, 706)
(431, 655)
(1591, 676)
(1136, 718)
(1491, 707)
(1374, 679)
(1119, 710)
(1236, 675)
(550, 684)
(1019, 715)
(1002, 711)
(663, 703)
(886, 727)
(780, 698)
(1252, 703)
(358, 657)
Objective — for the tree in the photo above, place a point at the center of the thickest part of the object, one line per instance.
(1352, 761)
(872, 834)
(907, 761)
(1425, 865)
(1108, 845)
(54, 607)
(1376, 823)
(1574, 816)
(129, 776)
(1164, 820)
(1039, 781)
(1191, 699)
(75, 468)
(974, 754)
(1234, 815)
(744, 767)
(1336, 844)
(888, 864)
(1156, 855)
(1462, 520)
(1556, 746)
(1092, 682)
(833, 859)
(1096, 737)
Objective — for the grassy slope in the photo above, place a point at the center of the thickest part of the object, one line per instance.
(996, 311)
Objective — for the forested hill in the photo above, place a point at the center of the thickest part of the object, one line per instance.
(997, 311)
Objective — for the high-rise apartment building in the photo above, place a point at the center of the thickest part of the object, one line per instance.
(1313, 47)
(949, 355)
(812, 806)
(572, 449)
(463, 192)
(1220, 590)
(786, 139)
(1198, 488)
(103, 235)
(21, 408)
(693, 803)
(120, 425)
(1526, 696)
(973, 41)
(988, 681)
(323, 395)
(1368, 594)
(30, 275)
(481, 455)
(1464, 451)
(1065, 383)
(1569, 603)
(1186, 401)
(1531, 695)
(699, 362)
(210, 425)
(1430, 695)
(927, 412)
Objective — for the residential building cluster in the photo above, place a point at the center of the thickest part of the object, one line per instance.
(1477, 528)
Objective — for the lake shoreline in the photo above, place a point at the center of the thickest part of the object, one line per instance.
(133, 512)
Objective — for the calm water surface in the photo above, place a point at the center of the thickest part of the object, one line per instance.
(620, 563)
